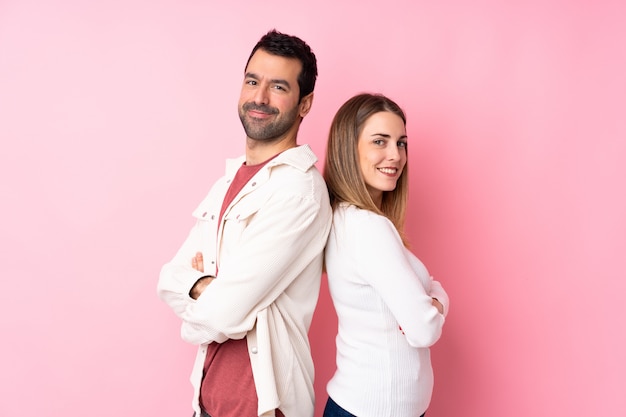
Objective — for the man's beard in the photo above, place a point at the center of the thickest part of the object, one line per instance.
(263, 129)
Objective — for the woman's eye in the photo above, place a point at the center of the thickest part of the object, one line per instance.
(378, 142)
(402, 144)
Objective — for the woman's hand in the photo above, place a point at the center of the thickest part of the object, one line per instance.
(437, 304)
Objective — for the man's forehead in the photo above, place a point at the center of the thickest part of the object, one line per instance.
(265, 64)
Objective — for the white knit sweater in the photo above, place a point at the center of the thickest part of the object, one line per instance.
(383, 297)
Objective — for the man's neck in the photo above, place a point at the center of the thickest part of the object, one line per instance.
(260, 151)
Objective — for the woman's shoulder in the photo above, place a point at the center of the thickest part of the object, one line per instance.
(353, 217)
(353, 212)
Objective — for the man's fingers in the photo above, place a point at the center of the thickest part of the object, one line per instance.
(199, 262)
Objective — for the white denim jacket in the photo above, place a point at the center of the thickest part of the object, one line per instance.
(269, 249)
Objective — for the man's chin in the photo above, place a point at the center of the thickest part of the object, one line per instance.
(264, 139)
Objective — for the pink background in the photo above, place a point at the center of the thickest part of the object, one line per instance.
(115, 118)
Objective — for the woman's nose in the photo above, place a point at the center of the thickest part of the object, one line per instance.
(393, 152)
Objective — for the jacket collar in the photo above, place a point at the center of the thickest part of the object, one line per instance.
(301, 157)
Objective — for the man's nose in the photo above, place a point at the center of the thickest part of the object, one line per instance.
(261, 95)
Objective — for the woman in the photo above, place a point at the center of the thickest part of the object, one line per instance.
(390, 310)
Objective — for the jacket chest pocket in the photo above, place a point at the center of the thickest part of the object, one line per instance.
(235, 223)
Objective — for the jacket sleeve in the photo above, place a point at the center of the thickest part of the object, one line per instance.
(282, 239)
(177, 276)
(385, 264)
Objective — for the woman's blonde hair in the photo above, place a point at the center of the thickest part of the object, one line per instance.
(342, 170)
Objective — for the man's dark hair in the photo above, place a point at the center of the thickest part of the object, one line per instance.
(288, 46)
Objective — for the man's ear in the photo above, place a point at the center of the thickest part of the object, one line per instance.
(305, 104)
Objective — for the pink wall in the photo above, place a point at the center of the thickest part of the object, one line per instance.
(116, 116)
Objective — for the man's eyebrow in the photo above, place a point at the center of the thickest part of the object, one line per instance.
(281, 82)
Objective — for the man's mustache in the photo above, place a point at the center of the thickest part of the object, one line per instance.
(263, 108)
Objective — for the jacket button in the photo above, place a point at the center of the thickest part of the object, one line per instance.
(254, 350)
(253, 184)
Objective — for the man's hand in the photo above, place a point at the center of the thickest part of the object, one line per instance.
(200, 286)
(197, 263)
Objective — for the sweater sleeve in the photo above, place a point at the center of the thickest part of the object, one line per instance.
(385, 264)
(434, 288)
(437, 291)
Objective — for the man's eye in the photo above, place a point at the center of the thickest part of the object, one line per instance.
(251, 82)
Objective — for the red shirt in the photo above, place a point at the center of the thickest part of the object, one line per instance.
(228, 388)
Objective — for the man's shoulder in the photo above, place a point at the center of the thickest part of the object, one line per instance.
(297, 166)
(300, 157)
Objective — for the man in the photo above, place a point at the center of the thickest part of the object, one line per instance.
(245, 282)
